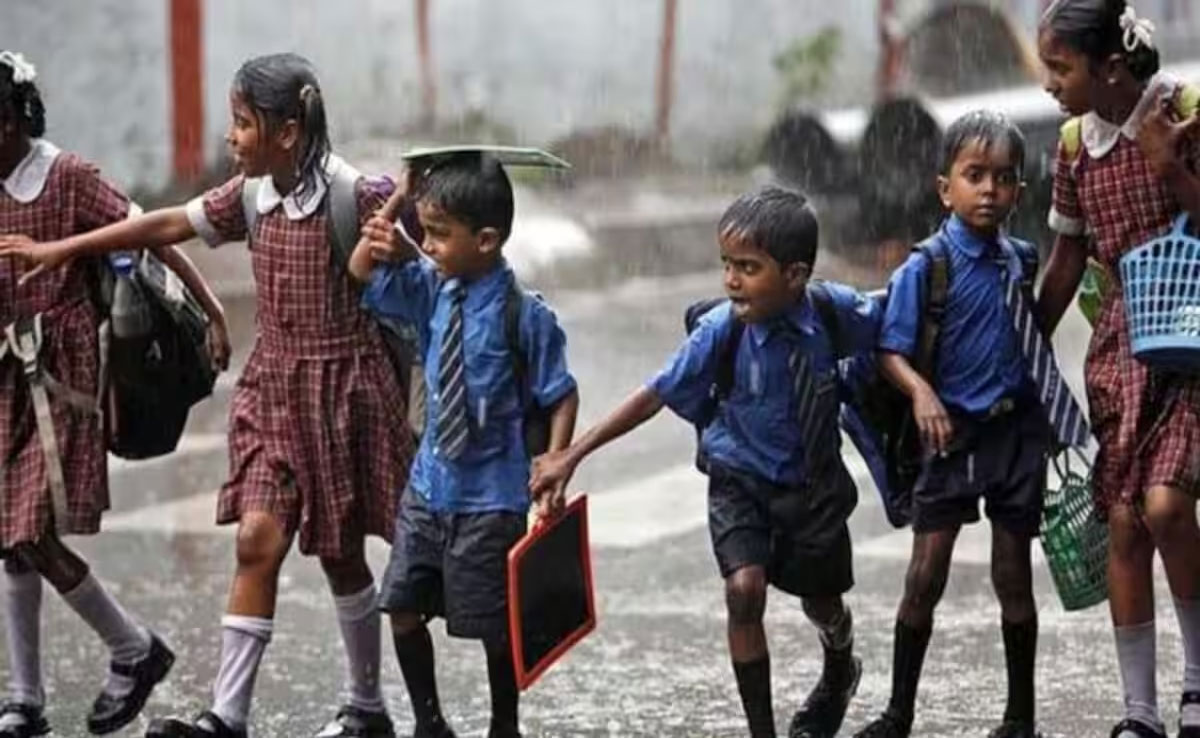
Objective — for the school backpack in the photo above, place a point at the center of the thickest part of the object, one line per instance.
(876, 416)
(723, 379)
(400, 339)
(153, 380)
(1096, 280)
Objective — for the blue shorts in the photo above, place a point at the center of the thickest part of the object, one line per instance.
(1001, 460)
(453, 565)
(798, 537)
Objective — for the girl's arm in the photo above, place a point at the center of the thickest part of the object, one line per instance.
(552, 471)
(154, 229)
(379, 242)
(1064, 270)
(218, 333)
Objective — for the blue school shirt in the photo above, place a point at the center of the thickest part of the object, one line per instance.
(978, 360)
(492, 474)
(755, 429)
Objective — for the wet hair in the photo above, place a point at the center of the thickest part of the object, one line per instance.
(283, 87)
(777, 220)
(987, 127)
(21, 102)
(471, 187)
(1093, 28)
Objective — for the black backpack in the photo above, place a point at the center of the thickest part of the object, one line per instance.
(399, 338)
(877, 416)
(150, 383)
(722, 383)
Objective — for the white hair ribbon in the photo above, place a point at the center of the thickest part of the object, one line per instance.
(1136, 31)
(23, 71)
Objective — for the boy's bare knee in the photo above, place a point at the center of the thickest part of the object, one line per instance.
(924, 584)
(405, 623)
(746, 595)
(261, 542)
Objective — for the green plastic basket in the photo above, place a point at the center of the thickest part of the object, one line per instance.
(1074, 538)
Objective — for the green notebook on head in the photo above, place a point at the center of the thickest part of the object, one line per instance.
(512, 156)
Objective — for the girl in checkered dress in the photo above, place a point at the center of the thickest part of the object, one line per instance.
(318, 445)
(48, 194)
(1123, 175)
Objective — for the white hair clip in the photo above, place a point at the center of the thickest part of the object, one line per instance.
(23, 71)
(1136, 31)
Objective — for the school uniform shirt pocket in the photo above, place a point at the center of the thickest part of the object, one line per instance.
(494, 408)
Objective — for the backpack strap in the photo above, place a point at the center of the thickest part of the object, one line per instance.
(514, 299)
(1070, 137)
(250, 188)
(937, 291)
(822, 300)
(727, 359)
(341, 205)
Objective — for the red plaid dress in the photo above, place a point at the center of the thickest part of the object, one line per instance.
(317, 430)
(1147, 421)
(74, 199)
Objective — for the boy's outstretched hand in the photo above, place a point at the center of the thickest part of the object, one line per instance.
(42, 256)
(548, 482)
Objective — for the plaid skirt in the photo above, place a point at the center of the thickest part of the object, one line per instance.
(318, 439)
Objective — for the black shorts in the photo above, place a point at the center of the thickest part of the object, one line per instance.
(453, 565)
(1002, 460)
(798, 535)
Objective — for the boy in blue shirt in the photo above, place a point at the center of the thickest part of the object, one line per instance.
(467, 499)
(981, 417)
(779, 494)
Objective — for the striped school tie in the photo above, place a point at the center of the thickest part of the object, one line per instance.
(805, 392)
(1063, 412)
(452, 428)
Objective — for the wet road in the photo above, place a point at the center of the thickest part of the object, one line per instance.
(657, 664)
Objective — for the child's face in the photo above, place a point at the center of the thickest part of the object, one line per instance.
(255, 152)
(757, 286)
(457, 249)
(1069, 78)
(982, 186)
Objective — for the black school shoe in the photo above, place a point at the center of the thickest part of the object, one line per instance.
(111, 713)
(885, 726)
(503, 731)
(1014, 729)
(352, 722)
(35, 722)
(1137, 727)
(825, 707)
(441, 731)
(206, 725)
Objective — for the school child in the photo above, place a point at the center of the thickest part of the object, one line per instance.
(51, 194)
(779, 494)
(316, 450)
(989, 414)
(1126, 169)
(468, 498)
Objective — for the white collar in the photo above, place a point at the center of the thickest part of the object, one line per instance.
(1100, 136)
(27, 180)
(269, 197)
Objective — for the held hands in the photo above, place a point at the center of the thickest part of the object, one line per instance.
(548, 482)
(932, 421)
(1163, 138)
(41, 256)
(384, 241)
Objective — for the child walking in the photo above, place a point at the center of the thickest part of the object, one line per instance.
(51, 194)
(467, 501)
(982, 413)
(779, 494)
(1126, 169)
(317, 442)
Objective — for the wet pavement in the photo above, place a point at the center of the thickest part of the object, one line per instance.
(657, 663)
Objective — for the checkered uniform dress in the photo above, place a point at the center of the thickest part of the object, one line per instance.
(1147, 421)
(75, 199)
(317, 431)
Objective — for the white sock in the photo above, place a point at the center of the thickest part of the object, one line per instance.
(127, 641)
(244, 639)
(358, 616)
(23, 628)
(1188, 612)
(1136, 658)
